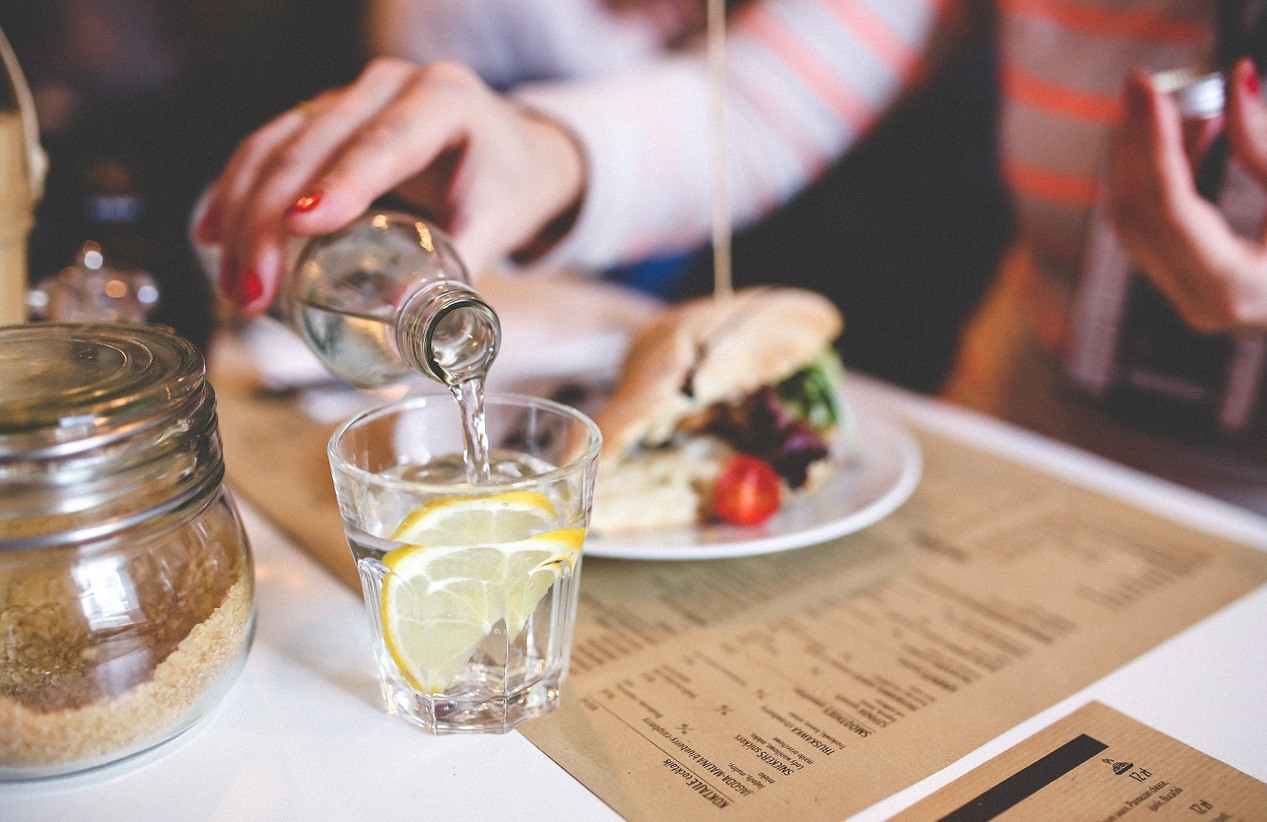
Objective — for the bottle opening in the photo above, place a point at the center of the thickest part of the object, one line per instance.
(449, 334)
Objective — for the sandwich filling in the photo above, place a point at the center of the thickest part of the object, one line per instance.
(754, 374)
(789, 425)
(797, 426)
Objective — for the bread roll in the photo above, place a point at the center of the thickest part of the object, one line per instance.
(707, 350)
(687, 358)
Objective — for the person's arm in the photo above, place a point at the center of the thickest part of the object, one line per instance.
(493, 173)
(1215, 278)
(805, 79)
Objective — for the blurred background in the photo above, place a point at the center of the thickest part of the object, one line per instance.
(142, 101)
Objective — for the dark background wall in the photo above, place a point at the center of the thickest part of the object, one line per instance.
(145, 99)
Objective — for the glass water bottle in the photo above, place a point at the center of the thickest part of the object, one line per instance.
(386, 296)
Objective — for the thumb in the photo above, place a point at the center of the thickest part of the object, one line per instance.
(1148, 166)
(1247, 120)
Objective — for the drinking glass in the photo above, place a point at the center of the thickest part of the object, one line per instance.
(470, 589)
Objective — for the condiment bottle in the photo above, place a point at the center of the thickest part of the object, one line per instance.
(92, 290)
(386, 296)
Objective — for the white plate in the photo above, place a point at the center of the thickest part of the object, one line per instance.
(886, 472)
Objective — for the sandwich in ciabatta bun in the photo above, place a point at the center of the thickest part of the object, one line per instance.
(725, 407)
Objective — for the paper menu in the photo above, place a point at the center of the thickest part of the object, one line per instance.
(810, 685)
(1099, 765)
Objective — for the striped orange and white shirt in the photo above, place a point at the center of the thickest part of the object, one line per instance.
(1063, 64)
(807, 78)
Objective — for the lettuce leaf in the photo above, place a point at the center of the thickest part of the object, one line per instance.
(814, 392)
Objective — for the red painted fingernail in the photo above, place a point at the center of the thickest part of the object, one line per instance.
(306, 203)
(210, 220)
(1252, 82)
(249, 289)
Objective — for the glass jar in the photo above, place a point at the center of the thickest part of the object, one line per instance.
(126, 587)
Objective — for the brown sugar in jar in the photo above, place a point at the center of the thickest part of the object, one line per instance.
(125, 577)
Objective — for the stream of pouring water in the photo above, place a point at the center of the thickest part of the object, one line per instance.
(470, 398)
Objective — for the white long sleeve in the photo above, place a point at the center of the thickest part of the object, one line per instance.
(804, 80)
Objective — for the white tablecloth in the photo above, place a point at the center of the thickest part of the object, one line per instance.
(301, 735)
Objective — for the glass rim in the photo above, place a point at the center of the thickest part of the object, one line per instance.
(341, 464)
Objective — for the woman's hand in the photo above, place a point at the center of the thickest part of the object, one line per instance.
(1216, 278)
(492, 173)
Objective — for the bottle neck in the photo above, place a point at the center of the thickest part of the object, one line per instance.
(448, 332)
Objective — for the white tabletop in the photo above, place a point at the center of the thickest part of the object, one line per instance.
(301, 735)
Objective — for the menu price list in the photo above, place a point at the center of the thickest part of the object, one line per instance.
(1099, 765)
(819, 681)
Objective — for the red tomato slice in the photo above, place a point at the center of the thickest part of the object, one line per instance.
(747, 492)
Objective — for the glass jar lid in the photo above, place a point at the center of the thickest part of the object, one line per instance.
(103, 428)
(65, 388)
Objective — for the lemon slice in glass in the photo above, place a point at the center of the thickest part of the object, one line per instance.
(531, 572)
(477, 520)
(439, 602)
